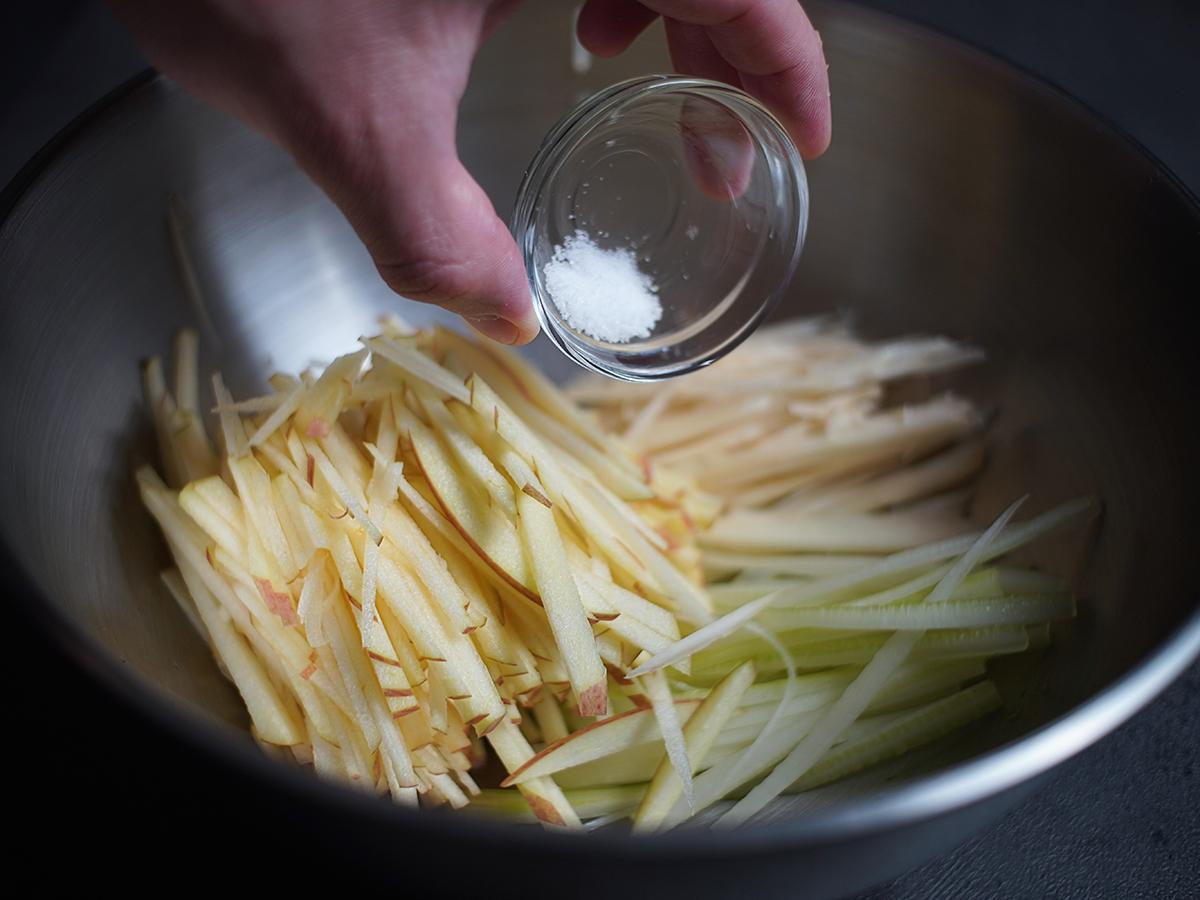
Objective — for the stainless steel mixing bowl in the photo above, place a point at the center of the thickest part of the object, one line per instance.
(960, 196)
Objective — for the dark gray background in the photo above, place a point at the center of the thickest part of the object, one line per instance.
(96, 794)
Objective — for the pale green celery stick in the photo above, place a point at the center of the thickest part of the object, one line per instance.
(990, 582)
(896, 564)
(727, 654)
(810, 565)
(760, 745)
(730, 595)
(911, 679)
(902, 733)
(754, 717)
(915, 589)
(658, 689)
(743, 767)
(734, 769)
(740, 768)
(927, 681)
(736, 740)
(914, 681)
(966, 643)
(856, 648)
(844, 790)
(588, 802)
(700, 733)
(833, 721)
(868, 726)
(858, 696)
(770, 691)
(765, 532)
(628, 766)
(972, 613)
(994, 581)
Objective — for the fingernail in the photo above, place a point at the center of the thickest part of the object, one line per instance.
(496, 328)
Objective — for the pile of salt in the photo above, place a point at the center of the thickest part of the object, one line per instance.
(601, 292)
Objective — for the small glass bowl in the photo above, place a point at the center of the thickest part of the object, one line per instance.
(698, 180)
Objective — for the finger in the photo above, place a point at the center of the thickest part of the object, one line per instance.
(719, 152)
(497, 12)
(778, 54)
(429, 227)
(375, 128)
(608, 27)
(441, 242)
(782, 63)
(718, 149)
(692, 53)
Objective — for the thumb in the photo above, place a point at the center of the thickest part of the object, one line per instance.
(438, 240)
(430, 228)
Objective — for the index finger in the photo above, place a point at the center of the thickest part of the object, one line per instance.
(778, 53)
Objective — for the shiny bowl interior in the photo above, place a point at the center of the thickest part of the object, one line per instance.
(959, 197)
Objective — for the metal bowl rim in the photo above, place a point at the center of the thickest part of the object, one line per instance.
(938, 794)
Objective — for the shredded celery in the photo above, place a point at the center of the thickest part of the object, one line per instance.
(973, 613)
(901, 734)
(906, 561)
(858, 696)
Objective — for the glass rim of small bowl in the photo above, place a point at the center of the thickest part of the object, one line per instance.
(556, 148)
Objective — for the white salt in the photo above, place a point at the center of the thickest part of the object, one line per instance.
(602, 293)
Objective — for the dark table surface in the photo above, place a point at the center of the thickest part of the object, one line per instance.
(1122, 820)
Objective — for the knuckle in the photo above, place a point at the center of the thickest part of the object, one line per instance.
(429, 280)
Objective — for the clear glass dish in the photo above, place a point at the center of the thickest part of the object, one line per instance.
(704, 189)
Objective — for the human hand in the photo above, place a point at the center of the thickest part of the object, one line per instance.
(364, 94)
(766, 47)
